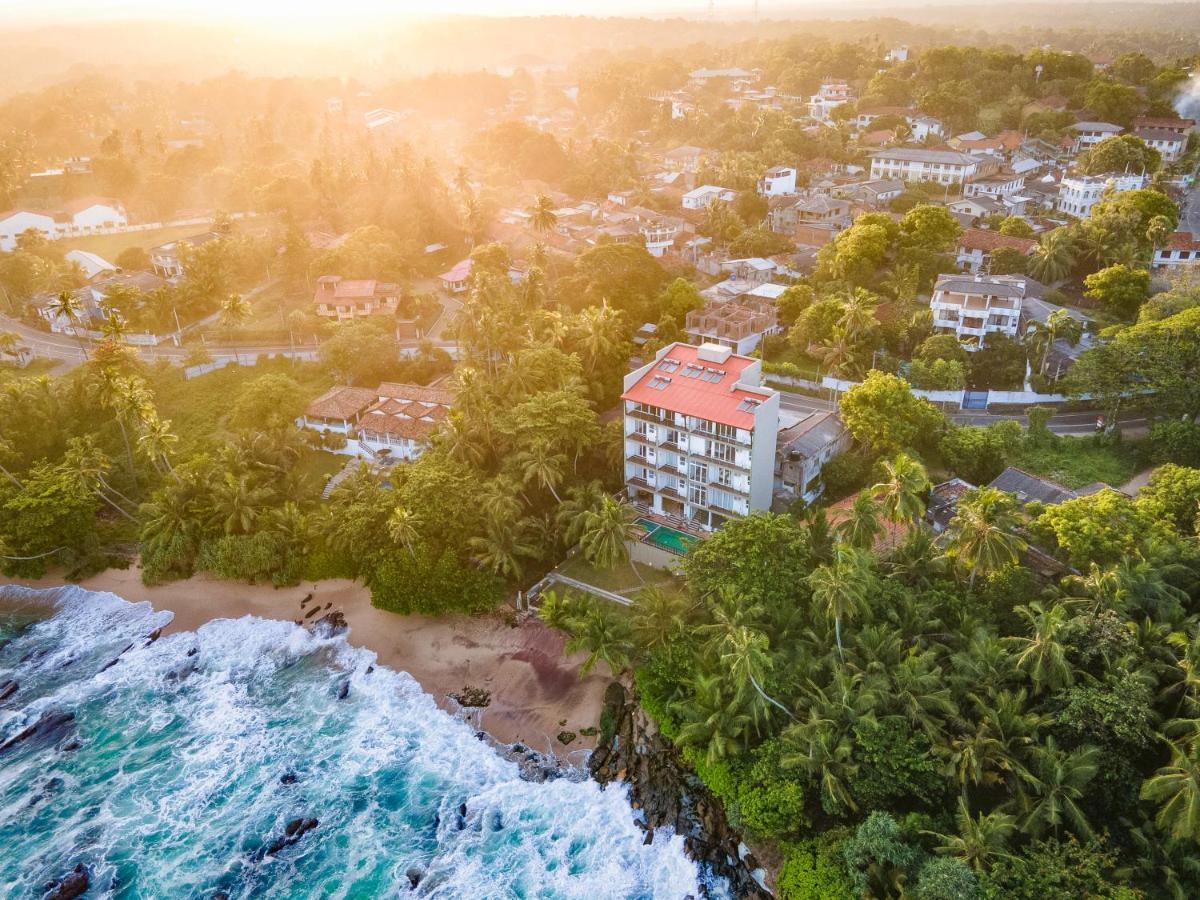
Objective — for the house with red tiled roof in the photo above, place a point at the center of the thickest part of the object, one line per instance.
(1178, 125)
(1181, 249)
(394, 421)
(700, 433)
(351, 298)
(976, 245)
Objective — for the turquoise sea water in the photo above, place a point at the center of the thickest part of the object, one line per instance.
(187, 758)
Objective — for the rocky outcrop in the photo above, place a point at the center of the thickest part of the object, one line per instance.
(7, 689)
(49, 727)
(73, 884)
(292, 832)
(667, 792)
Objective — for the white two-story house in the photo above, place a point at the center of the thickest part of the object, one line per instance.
(971, 308)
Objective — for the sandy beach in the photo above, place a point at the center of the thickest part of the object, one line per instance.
(534, 688)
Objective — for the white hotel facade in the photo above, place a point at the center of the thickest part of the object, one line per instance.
(700, 434)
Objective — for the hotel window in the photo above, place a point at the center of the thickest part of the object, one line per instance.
(698, 472)
(698, 495)
(725, 477)
(720, 451)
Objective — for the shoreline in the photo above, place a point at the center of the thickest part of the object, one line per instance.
(534, 687)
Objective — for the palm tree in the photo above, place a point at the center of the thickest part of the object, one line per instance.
(840, 589)
(607, 532)
(1042, 655)
(858, 315)
(712, 718)
(838, 353)
(404, 528)
(1051, 797)
(1053, 257)
(237, 503)
(88, 465)
(744, 657)
(67, 306)
(235, 309)
(902, 492)
(539, 465)
(824, 752)
(541, 215)
(657, 616)
(502, 548)
(1059, 325)
(114, 327)
(556, 610)
(980, 841)
(902, 282)
(861, 527)
(1176, 788)
(604, 636)
(599, 335)
(581, 500)
(981, 535)
(156, 441)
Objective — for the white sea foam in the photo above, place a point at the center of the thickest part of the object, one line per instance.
(176, 783)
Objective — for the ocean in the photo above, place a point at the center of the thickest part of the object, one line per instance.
(194, 765)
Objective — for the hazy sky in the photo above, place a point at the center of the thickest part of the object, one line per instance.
(284, 10)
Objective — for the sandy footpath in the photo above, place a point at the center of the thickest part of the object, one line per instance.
(533, 686)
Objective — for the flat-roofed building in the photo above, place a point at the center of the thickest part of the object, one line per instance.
(805, 444)
(941, 166)
(739, 323)
(700, 433)
(972, 308)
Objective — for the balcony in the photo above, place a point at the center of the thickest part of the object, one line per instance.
(671, 468)
(640, 460)
(646, 417)
(640, 438)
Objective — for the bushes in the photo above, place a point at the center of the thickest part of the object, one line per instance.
(980, 454)
(421, 582)
(812, 869)
(762, 798)
(256, 557)
(1175, 441)
(847, 473)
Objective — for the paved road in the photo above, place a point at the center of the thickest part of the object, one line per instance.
(1189, 211)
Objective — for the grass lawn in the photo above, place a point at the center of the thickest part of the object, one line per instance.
(316, 466)
(784, 353)
(37, 367)
(198, 408)
(109, 246)
(619, 579)
(1074, 462)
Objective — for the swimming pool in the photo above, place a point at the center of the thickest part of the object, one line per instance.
(670, 539)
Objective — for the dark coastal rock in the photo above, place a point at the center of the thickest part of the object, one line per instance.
(344, 690)
(472, 697)
(70, 746)
(370, 669)
(48, 727)
(8, 688)
(307, 597)
(73, 884)
(330, 624)
(220, 895)
(116, 659)
(193, 651)
(414, 876)
(153, 636)
(288, 778)
(312, 612)
(631, 749)
(292, 832)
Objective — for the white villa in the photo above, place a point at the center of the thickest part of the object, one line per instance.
(971, 308)
(394, 421)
